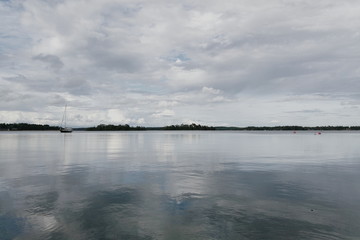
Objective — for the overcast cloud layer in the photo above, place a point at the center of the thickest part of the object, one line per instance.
(157, 62)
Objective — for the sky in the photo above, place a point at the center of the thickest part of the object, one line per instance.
(161, 62)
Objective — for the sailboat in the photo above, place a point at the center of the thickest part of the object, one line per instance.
(65, 129)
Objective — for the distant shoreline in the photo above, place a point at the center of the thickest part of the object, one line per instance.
(183, 127)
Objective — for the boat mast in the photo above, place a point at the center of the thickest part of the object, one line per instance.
(63, 121)
(65, 114)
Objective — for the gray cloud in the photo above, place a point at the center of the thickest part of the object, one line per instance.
(205, 61)
(54, 61)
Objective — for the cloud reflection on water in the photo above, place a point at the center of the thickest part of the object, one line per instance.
(127, 192)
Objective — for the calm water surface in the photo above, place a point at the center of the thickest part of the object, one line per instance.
(179, 185)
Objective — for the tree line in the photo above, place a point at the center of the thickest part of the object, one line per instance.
(25, 127)
(292, 128)
(111, 127)
(193, 126)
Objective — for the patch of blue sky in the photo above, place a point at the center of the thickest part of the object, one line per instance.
(182, 57)
(11, 43)
(176, 56)
(11, 4)
(11, 35)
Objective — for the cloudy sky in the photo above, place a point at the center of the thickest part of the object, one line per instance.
(159, 62)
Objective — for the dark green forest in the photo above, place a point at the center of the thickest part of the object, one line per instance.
(187, 127)
(192, 126)
(25, 127)
(291, 128)
(125, 127)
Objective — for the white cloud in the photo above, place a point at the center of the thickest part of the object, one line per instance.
(204, 60)
(179, 77)
(209, 90)
(164, 113)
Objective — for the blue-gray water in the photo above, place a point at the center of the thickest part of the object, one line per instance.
(179, 185)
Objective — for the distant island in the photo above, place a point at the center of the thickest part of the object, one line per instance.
(111, 127)
(126, 127)
(186, 127)
(26, 127)
(192, 126)
(291, 128)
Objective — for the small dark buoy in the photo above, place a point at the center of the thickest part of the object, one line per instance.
(312, 210)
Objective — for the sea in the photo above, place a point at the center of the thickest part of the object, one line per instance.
(179, 185)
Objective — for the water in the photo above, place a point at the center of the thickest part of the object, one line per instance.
(179, 185)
